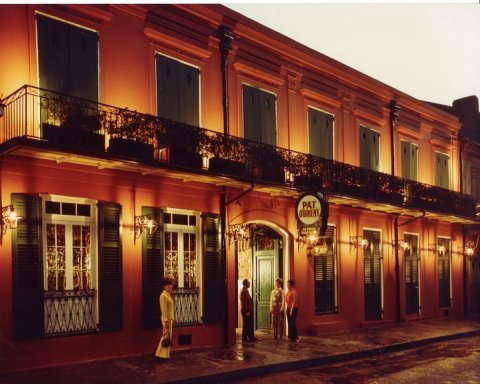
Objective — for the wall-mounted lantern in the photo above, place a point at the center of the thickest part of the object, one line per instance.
(437, 248)
(470, 247)
(9, 218)
(402, 244)
(358, 242)
(144, 223)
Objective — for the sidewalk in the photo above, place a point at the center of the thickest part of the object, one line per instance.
(223, 364)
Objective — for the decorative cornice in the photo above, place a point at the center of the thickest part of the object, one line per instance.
(437, 144)
(90, 12)
(320, 98)
(168, 41)
(246, 70)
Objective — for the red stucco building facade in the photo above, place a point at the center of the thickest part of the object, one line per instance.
(214, 126)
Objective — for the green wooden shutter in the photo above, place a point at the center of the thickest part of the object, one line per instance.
(364, 142)
(409, 156)
(67, 58)
(372, 276)
(268, 118)
(164, 100)
(83, 72)
(374, 150)
(324, 266)
(259, 115)
(444, 274)
(27, 269)
(405, 158)
(441, 170)
(411, 275)
(328, 136)
(413, 161)
(189, 95)
(314, 132)
(251, 114)
(213, 271)
(320, 133)
(177, 91)
(110, 267)
(152, 270)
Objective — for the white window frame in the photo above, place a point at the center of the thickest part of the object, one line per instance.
(69, 221)
(182, 229)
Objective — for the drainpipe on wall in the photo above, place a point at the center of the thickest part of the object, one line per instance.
(394, 108)
(398, 317)
(394, 114)
(226, 37)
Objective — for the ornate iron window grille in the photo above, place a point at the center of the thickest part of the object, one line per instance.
(70, 312)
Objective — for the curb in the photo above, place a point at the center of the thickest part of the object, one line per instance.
(245, 373)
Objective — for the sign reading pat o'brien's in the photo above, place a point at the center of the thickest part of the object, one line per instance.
(311, 208)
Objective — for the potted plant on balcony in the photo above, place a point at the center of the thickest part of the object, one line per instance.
(181, 141)
(80, 124)
(229, 156)
(131, 135)
(266, 163)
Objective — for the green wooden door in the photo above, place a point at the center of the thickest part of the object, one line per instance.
(265, 282)
(266, 267)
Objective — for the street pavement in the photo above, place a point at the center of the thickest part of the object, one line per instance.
(239, 361)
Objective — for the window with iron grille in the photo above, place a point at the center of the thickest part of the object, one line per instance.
(69, 249)
(181, 231)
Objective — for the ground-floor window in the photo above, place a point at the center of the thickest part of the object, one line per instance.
(69, 239)
(372, 259)
(412, 265)
(325, 275)
(182, 261)
(444, 281)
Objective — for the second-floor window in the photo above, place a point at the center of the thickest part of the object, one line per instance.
(320, 133)
(409, 155)
(67, 58)
(441, 170)
(475, 182)
(369, 148)
(177, 91)
(259, 115)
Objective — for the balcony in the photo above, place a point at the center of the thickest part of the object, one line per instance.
(52, 121)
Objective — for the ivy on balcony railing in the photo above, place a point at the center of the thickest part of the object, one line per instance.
(57, 118)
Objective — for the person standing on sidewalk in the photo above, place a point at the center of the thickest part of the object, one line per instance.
(277, 309)
(167, 308)
(246, 308)
(292, 310)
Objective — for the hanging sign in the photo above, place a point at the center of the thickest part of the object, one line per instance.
(311, 212)
(309, 209)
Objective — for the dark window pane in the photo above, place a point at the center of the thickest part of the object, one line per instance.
(192, 220)
(52, 207)
(167, 218)
(68, 209)
(180, 219)
(83, 210)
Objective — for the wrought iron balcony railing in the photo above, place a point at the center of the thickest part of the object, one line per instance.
(68, 123)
